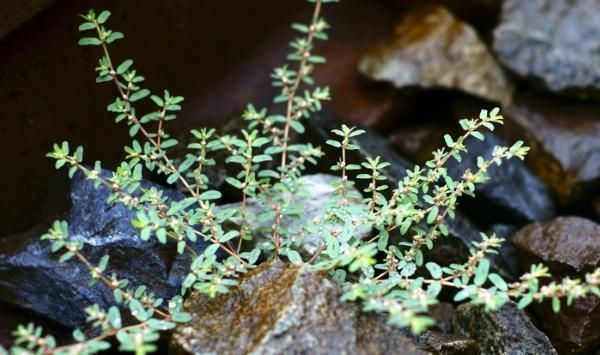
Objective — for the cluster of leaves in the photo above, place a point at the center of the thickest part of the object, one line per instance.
(388, 268)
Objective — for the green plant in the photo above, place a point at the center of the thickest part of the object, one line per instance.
(269, 164)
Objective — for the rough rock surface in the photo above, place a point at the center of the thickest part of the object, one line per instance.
(512, 191)
(462, 232)
(448, 344)
(508, 251)
(279, 308)
(431, 48)
(569, 246)
(564, 137)
(316, 196)
(27, 265)
(13, 13)
(507, 331)
(555, 42)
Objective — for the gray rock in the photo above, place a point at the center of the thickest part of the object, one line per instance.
(316, 195)
(555, 42)
(447, 344)
(431, 48)
(506, 331)
(32, 278)
(282, 309)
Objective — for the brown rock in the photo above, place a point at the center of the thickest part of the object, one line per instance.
(569, 246)
(279, 308)
(431, 48)
(564, 137)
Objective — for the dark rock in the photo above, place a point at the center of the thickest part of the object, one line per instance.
(27, 265)
(448, 344)
(316, 194)
(555, 42)
(513, 190)
(431, 48)
(13, 13)
(506, 331)
(508, 252)
(569, 246)
(279, 308)
(11, 317)
(443, 313)
(564, 137)
(462, 232)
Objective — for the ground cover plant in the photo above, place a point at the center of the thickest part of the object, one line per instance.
(385, 276)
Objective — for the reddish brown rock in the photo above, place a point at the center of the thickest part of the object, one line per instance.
(569, 246)
(431, 48)
(564, 137)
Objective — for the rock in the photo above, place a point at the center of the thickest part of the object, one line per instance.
(565, 141)
(279, 308)
(554, 42)
(448, 344)
(27, 265)
(462, 232)
(508, 251)
(507, 331)
(569, 246)
(431, 48)
(13, 13)
(513, 191)
(443, 313)
(317, 192)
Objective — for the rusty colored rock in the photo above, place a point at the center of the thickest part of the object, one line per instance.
(553, 42)
(279, 308)
(431, 48)
(506, 331)
(564, 137)
(569, 246)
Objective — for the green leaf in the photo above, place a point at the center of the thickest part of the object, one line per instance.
(114, 36)
(86, 26)
(261, 158)
(498, 282)
(297, 126)
(448, 140)
(124, 66)
(294, 257)
(434, 269)
(210, 195)
(168, 143)
(138, 95)
(104, 15)
(89, 41)
(481, 273)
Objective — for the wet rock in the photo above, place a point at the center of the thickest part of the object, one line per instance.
(462, 232)
(569, 246)
(448, 344)
(513, 191)
(555, 42)
(507, 331)
(431, 48)
(317, 192)
(27, 265)
(279, 308)
(564, 137)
